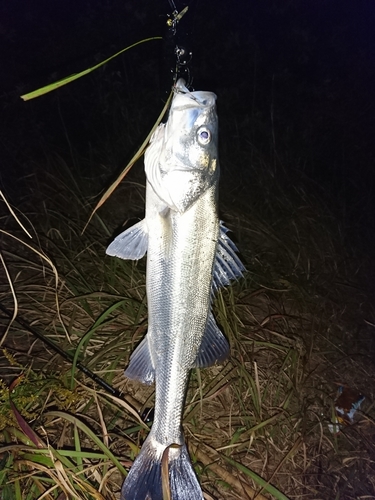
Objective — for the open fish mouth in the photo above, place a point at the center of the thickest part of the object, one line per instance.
(202, 98)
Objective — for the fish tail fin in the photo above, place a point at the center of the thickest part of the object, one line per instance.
(183, 482)
(144, 481)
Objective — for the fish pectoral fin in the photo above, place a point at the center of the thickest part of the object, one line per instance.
(214, 347)
(141, 367)
(227, 265)
(131, 244)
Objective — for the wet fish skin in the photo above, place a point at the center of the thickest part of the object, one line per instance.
(188, 257)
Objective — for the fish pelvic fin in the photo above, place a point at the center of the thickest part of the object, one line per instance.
(131, 244)
(214, 347)
(141, 366)
(157, 464)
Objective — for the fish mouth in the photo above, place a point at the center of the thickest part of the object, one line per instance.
(201, 98)
(180, 87)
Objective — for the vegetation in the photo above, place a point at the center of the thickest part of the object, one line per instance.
(292, 323)
(300, 324)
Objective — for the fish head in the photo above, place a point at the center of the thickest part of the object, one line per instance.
(181, 162)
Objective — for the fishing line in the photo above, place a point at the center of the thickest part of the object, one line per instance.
(177, 50)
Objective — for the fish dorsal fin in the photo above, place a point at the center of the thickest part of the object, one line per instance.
(141, 367)
(214, 347)
(227, 265)
(131, 244)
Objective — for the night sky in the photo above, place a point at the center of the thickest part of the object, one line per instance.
(292, 77)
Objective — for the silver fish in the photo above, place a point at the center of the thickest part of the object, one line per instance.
(189, 256)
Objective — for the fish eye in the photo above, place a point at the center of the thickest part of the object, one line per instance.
(204, 136)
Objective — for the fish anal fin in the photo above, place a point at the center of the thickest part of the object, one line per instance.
(141, 367)
(214, 347)
(131, 244)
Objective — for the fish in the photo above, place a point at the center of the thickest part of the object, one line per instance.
(189, 257)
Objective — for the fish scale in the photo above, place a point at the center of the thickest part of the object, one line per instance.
(174, 352)
(189, 256)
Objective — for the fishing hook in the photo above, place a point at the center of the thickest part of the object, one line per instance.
(176, 48)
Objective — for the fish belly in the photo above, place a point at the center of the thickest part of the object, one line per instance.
(179, 275)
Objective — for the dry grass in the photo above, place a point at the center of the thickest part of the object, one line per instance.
(293, 101)
(300, 325)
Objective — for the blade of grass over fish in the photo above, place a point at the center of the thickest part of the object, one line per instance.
(76, 76)
(137, 155)
(90, 434)
(165, 475)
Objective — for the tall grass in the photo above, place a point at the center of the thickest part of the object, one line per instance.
(300, 324)
(258, 424)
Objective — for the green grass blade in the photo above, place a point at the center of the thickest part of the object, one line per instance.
(53, 86)
(77, 443)
(91, 435)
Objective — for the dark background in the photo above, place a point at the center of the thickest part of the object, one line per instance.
(294, 79)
